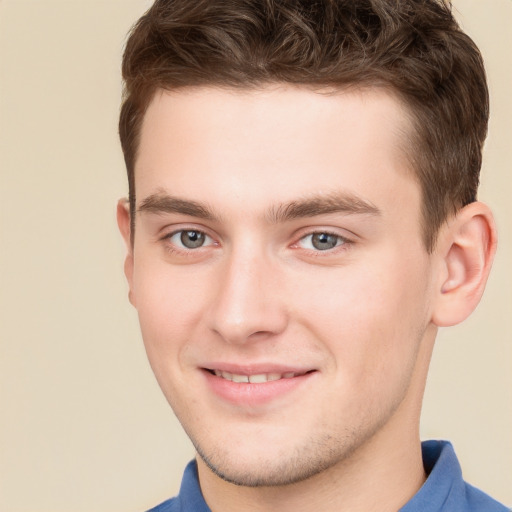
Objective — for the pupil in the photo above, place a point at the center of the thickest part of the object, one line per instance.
(324, 241)
(192, 239)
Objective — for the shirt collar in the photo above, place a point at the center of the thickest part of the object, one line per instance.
(444, 486)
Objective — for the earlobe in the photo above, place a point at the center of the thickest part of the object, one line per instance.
(467, 244)
(123, 221)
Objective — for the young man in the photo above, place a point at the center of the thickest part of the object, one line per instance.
(302, 218)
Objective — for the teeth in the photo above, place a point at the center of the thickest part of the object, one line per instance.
(258, 379)
(255, 379)
(240, 378)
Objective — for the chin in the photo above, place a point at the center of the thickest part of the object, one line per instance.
(264, 474)
(279, 468)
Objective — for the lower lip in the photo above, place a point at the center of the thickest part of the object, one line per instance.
(248, 394)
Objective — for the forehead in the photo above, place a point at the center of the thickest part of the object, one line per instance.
(273, 143)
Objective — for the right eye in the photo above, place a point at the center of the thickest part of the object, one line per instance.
(189, 239)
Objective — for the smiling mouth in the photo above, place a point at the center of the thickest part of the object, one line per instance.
(259, 378)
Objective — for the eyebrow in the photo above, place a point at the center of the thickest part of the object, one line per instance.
(348, 204)
(161, 203)
(322, 205)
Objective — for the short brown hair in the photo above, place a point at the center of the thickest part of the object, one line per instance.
(413, 47)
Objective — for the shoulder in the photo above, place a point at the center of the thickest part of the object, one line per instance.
(478, 501)
(189, 498)
(170, 505)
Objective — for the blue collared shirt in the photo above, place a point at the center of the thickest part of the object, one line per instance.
(443, 491)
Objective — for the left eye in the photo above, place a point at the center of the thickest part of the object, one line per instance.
(321, 241)
(190, 239)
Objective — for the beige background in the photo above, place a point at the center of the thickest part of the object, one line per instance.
(83, 426)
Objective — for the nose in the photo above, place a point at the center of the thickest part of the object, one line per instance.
(248, 305)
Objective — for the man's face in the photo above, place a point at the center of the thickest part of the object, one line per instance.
(280, 277)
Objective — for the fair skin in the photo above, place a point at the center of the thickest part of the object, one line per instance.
(287, 303)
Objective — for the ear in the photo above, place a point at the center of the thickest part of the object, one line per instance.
(123, 221)
(466, 248)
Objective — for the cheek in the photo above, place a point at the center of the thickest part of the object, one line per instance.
(370, 317)
(169, 305)
(167, 309)
(168, 295)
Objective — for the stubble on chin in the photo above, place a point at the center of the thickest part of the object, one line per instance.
(278, 469)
